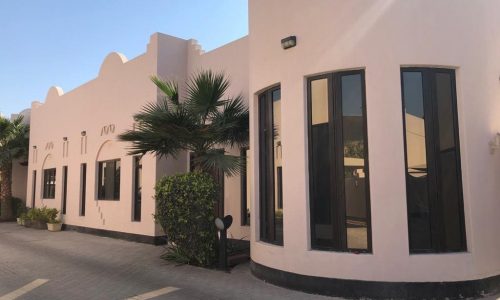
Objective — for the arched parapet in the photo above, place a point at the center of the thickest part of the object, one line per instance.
(54, 93)
(111, 63)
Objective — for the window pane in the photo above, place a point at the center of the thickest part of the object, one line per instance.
(109, 180)
(416, 159)
(271, 215)
(354, 161)
(445, 111)
(449, 178)
(320, 140)
(277, 165)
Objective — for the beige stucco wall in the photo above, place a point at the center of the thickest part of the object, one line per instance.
(232, 59)
(102, 107)
(381, 36)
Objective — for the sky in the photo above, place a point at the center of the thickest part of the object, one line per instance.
(63, 42)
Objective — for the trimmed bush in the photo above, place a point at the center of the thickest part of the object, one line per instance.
(185, 211)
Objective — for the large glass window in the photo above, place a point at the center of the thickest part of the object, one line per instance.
(49, 183)
(433, 176)
(109, 180)
(338, 163)
(270, 164)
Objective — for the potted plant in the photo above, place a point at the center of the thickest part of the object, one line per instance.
(21, 218)
(54, 225)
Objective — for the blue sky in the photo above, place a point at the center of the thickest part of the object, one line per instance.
(63, 42)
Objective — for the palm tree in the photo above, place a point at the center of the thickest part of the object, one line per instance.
(203, 123)
(14, 144)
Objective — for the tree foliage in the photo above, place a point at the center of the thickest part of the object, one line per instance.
(203, 122)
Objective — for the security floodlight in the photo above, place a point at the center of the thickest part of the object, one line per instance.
(289, 42)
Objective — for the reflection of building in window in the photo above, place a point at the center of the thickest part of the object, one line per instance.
(109, 180)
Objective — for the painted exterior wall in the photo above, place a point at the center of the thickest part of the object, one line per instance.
(232, 59)
(103, 108)
(380, 37)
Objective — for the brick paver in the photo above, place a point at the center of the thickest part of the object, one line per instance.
(81, 266)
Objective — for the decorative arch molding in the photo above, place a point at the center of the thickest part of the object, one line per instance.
(110, 149)
(111, 63)
(48, 162)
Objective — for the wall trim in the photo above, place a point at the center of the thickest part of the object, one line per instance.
(357, 289)
(146, 239)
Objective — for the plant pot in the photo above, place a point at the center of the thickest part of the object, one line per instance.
(19, 221)
(27, 223)
(39, 225)
(54, 227)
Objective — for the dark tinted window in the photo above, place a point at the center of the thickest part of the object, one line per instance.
(433, 176)
(109, 180)
(49, 183)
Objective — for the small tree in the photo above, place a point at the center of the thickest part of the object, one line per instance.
(201, 123)
(14, 144)
(185, 212)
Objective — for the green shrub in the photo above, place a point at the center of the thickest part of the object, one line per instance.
(185, 211)
(44, 214)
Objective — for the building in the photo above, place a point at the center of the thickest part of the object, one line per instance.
(379, 182)
(78, 166)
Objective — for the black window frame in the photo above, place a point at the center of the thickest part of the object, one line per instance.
(49, 186)
(33, 186)
(338, 201)
(101, 194)
(267, 208)
(430, 105)
(83, 188)
(245, 220)
(137, 200)
(64, 189)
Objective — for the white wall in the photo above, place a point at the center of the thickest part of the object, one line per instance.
(381, 36)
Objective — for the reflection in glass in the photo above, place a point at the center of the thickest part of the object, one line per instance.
(416, 160)
(109, 180)
(277, 166)
(354, 162)
(321, 164)
(270, 164)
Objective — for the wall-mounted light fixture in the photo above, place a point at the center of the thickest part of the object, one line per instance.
(65, 138)
(495, 143)
(84, 133)
(34, 147)
(289, 42)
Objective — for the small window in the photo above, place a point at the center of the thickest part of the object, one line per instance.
(108, 187)
(83, 188)
(49, 183)
(137, 188)
(64, 190)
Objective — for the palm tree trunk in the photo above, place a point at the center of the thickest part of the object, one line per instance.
(6, 192)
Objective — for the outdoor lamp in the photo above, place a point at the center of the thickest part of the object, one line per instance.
(34, 147)
(84, 133)
(65, 138)
(289, 42)
(222, 225)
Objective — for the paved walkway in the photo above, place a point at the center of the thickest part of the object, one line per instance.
(36, 264)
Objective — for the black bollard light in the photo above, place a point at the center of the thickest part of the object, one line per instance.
(222, 225)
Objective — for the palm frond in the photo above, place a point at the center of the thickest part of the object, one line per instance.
(169, 88)
(204, 92)
(216, 159)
